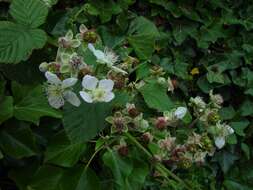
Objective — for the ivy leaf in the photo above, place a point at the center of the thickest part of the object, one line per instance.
(61, 151)
(86, 121)
(18, 142)
(34, 106)
(31, 13)
(6, 107)
(155, 95)
(17, 41)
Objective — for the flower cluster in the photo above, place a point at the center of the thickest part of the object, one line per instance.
(69, 66)
(169, 136)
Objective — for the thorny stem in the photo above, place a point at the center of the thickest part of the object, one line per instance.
(161, 168)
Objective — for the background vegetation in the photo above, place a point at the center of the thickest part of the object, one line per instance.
(201, 44)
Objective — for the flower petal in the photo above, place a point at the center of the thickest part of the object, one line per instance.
(106, 85)
(83, 28)
(219, 142)
(72, 98)
(180, 112)
(56, 101)
(52, 78)
(109, 96)
(86, 96)
(97, 53)
(89, 82)
(69, 82)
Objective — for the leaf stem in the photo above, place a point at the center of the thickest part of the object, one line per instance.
(161, 168)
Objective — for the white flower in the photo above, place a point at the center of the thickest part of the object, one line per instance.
(219, 142)
(95, 90)
(58, 91)
(180, 112)
(107, 57)
(222, 131)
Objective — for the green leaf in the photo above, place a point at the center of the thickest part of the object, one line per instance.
(225, 160)
(227, 113)
(31, 13)
(142, 36)
(86, 121)
(246, 109)
(143, 45)
(47, 177)
(17, 41)
(120, 167)
(34, 106)
(246, 150)
(233, 185)
(6, 107)
(61, 151)
(240, 126)
(18, 142)
(155, 95)
(103, 9)
(79, 179)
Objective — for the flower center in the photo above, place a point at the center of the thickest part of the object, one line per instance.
(98, 94)
(54, 90)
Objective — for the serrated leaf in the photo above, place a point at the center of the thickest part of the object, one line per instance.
(31, 13)
(155, 95)
(86, 121)
(61, 151)
(34, 106)
(17, 42)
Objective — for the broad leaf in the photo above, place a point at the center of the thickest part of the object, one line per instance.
(86, 121)
(34, 106)
(155, 95)
(18, 142)
(120, 167)
(61, 151)
(17, 41)
(31, 13)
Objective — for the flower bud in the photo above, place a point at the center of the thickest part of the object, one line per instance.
(43, 67)
(147, 137)
(123, 150)
(161, 123)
